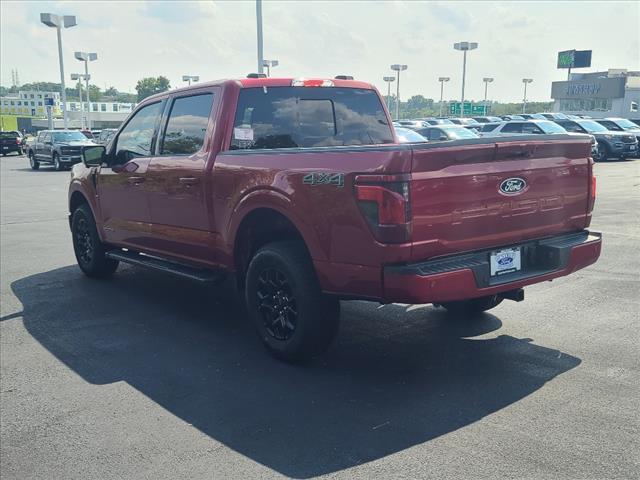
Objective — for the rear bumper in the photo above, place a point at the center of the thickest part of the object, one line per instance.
(460, 277)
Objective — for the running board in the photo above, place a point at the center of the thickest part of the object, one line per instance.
(181, 270)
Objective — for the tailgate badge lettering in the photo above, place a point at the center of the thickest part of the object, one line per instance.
(513, 186)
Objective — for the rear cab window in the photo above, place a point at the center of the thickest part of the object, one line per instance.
(306, 117)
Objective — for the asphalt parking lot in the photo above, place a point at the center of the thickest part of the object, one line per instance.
(149, 376)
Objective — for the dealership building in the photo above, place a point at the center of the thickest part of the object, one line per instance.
(614, 93)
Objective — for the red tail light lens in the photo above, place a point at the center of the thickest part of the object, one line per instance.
(385, 204)
(593, 187)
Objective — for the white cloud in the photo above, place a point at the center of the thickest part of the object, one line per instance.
(317, 38)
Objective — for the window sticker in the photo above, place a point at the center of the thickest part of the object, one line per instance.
(243, 133)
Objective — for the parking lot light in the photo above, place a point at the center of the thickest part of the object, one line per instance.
(389, 80)
(398, 68)
(487, 81)
(86, 58)
(269, 64)
(524, 99)
(190, 78)
(464, 47)
(442, 80)
(59, 22)
(78, 77)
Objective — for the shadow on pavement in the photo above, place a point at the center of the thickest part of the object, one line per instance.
(397, 376)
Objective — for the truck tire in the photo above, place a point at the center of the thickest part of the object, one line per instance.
(56, 162)
(294, 319)
(89, 250)
(474, 305)
(35, 165)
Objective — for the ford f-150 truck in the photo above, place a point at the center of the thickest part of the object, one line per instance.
(301, 190)
(61, 148)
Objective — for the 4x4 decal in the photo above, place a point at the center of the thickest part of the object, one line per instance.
(324, 178)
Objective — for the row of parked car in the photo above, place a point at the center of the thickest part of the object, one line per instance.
(611, 137)
(13, 141)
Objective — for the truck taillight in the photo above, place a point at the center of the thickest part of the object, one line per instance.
(385, 203)
(593, 188)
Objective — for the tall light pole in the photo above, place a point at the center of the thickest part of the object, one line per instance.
(487, 81)
(259, 31)
(398, 68)
(269, 64)
(389, 80)
(465, 47)
(442, 80)
(524, 99)
(190, 78)
(86, 58)
(59, 22)
(78, 77)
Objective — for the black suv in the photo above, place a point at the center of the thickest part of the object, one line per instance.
(610, 143)
(10, 141)
(62, 148)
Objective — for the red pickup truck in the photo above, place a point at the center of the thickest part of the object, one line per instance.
(300, 189)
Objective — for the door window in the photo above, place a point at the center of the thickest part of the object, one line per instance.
(531, 128)
(136, 137)
(512, 128)
(187, 125)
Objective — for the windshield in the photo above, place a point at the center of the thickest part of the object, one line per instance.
(406, 135)
(626, 124)
(591, 126)
(457, 133)
(68, 136)
(550, 127)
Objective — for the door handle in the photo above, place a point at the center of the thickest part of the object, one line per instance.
(188, 181)
(135, 180)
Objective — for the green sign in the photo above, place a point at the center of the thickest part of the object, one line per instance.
(469, 108)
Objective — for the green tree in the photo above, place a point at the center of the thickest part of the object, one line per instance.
(151, 85)
(111, 92)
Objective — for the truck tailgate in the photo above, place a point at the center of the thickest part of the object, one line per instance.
(457, 203)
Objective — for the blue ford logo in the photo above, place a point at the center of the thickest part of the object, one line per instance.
(505, 261)
(513, 186)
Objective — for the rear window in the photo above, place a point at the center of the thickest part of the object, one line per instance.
(9, 135)
(291, 117)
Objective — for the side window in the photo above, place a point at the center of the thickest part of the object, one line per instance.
(434, 134)
(512, 128)
(531, 128)
(136, 137)
(187, 125)
(46, 137)
(610, 125)
(571, 127)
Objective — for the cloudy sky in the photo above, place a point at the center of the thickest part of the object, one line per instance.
(217, 39)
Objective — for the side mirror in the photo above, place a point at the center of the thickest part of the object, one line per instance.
(93, 156)
(443, 137)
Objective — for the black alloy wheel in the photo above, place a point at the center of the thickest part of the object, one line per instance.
(277, 304)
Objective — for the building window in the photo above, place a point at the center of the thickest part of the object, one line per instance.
(115, 107)
(33, 104)
(40, 103)
(94, 107)
(32, 96)
(634, 106)
(103, 107)
(585, 105)
(11, 102)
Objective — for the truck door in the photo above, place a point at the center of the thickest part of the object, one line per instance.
(177, 184)
(121, 185)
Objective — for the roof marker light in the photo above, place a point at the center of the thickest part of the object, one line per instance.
(317, 82)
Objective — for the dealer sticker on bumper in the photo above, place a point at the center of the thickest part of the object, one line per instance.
(505, 261)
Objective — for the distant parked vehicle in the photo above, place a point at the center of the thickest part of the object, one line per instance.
(407, 135)
(10, 141)
(610, 143)
(508, 118)
(464, 121)
(440, 121)
(62, 148)
(411, 123)
(621, 125)
(533, 116)
(524, 127)
(634, 120)
(487, 119)
(554, 116)
(105, 135)
(443, 133)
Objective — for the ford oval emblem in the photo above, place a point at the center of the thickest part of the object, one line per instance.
(513, 186)
(505, 261)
